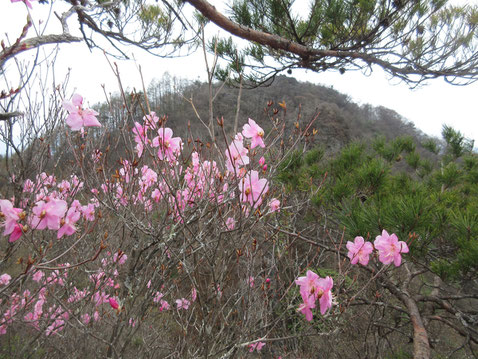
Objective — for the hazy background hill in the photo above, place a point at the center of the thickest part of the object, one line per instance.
(340, 120)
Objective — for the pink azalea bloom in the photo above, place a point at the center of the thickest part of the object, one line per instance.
(308, 284)
(16, 234)
(85, 318)
(120, 257)
(194, 294)
(359, 251)
(251, 281)
(230, 223)
(236, 156)
(5, 279)
(48, 214)
(254, 132)
(306, 306)
(79, 117)
(68, 223)
(256, 346)
(168, 146)
(11, 215)
(113, 302)
(140, 138)
(325, 294)
(182, 303)
(252, 188)
(389, 248)
(262, 161)
(164, 305)
(151, 120)
(274, 205)
(88, 212)
(312, 287)
(28, 186)
(27, 3)
(157, 297)
(38, 276)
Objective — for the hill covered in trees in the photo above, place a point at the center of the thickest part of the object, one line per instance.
(339, 119)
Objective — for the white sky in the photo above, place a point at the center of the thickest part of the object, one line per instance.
(429, 107)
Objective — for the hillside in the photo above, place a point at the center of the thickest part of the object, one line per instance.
(340, 120)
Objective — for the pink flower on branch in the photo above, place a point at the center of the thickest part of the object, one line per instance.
(274, 205)
(68, 223)
(169, 147)
(256, 346)
(253, 131)
(5, 279)
(390, 248)
(113, 303)
(236, 156)
(12, 216)
(252, 188)
(313, 288)
(48, 214)
(183, 303)
(78, 116)
(359, 251)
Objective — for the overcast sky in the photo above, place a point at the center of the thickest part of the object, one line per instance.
(428, 107)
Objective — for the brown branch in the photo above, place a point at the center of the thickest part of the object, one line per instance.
(11, 51)
(7, 115)
(309, 55)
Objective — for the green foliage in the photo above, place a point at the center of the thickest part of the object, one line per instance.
(433, 205)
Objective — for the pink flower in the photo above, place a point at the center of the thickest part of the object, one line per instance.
(274, 205)
(79, 117)
(85, 318)
(252, 188)
(306, 306)
(164, 305)
(230, 223)
(256, 346)
(359, 251)
(262, 161)
(251, 281)
(194, 294)
(325, 294)
(140, 137)
(27, 3)
(48, 214)
(312, 287)
(68, 223)
(389, 248)
(182, 303)
(38, 276)
(11, 215)
(236, 156)
(88, 212)
(254, 132)
(113, 302)
(5, 279)
(168, 146)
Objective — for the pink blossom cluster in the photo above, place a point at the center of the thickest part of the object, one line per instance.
(256, 346)
(49, 210)
(177, 183)
(312, 289)
(389, 249)
(202, 179)
(42, 312)
(79, 117)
